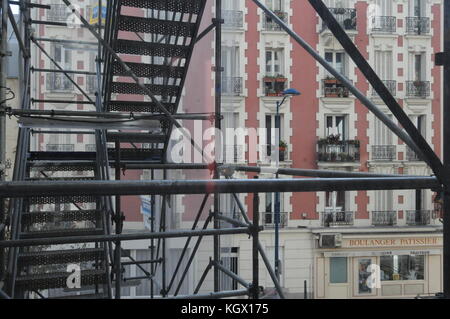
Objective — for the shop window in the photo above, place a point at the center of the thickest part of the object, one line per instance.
(338, 270)
(402, 267)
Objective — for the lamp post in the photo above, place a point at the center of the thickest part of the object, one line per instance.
(286, 94)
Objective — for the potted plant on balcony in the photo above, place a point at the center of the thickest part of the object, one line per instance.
(280, 78)
(282, 148)
(330, 80)
(334, 139)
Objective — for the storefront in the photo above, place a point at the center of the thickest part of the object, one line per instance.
(379, 266)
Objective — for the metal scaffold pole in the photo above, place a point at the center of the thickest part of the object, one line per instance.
(3, 99)
(446, 108)
(218, 146)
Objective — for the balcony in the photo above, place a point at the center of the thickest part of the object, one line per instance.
(58, 13)
(418, 217)
(231, 85)
(274, 85)
(384, 152)
(233, 19)
(268, 219)
(418, 89)
(411, 155)
(234, 154)
(60, 147)
(338, 218)
(384, 24)
(346, 18)
(59, 82)
(270, 25)
(384, 218)
(334, 88)
(417, 25)
(391, 85)
(331, 149)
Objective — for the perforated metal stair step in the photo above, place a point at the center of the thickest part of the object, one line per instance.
(150, 70)
(61, 233)
(62, 166)
(49, 257)
(29, 218)
(59, 280)
(86, 296)
(151, 49)
(135, 106)
(155, 89)
(136, 137)
(68, 178)
(61, 199)
(185, 6)
(156, 26)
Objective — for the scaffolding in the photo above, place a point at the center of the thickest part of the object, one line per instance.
(171, 30)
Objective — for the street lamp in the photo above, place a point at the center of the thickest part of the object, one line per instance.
(286, 94)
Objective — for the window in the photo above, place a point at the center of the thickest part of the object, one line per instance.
(383, 7)
(275, 5)
(363, 275)
(336, 125)
(383, 135)
(417, 8)
(271, 132)
(233, 149)
(229, 259)
(230, 61)
(269, 211)
(338, 60)
(274, 62)
(383, 64)
(335, 201)
(418, 67)
(338, 270)
(403, 267)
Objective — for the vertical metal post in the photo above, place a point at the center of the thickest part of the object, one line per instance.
(152, 241)
(305, 290)
(119, 223)
(277, 194)
(255, 255)
(446, 118)
(218, 103)
(163, 246)
(3, 75)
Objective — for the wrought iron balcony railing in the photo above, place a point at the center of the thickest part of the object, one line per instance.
(345, 16)
(270, 25)
(419, 89)
(384, 24)
(231, 85)
(384, 218)
(339, 218)
(418, 217)
(334, 88)
(233, 153)
(417, 25)
(58, 82)
(384, 152)
(391, 85)
(411, 155)
(233, 19)
(58, 13)
(60, 147)
(268, 219)
(338, 151)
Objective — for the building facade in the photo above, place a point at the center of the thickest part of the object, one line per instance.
(328, 240)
